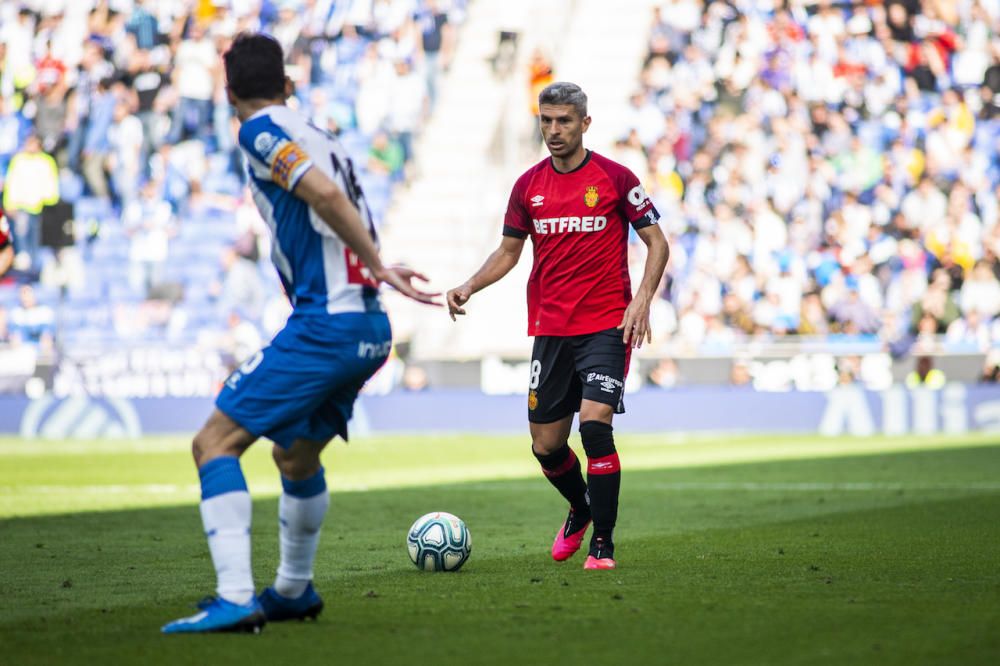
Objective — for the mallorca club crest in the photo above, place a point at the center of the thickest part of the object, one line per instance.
(591, 197)
(532, 400)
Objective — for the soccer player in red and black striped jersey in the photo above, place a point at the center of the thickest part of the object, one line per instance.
(577, 206)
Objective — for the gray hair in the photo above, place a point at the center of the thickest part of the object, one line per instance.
(563, 93)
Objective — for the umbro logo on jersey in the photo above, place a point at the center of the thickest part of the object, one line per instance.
(537, 200)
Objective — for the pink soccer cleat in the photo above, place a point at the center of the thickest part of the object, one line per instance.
(602, 555)
(569, 538)
(594, 563)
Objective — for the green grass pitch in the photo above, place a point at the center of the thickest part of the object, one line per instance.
(731, 551)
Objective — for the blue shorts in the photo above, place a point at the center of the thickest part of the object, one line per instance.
(304, 384)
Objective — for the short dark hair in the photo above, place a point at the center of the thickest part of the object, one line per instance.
(255, 67)
(563, 93)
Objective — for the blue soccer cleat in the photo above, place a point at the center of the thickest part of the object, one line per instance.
(278, 608)
(219, 615)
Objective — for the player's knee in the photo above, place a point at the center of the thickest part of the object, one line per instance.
(295, 464)
(544, 445)
(205, 448)
(199, 448)
(598, 438)
(596, 411)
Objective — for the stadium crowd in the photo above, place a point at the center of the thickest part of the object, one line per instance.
(824, 168)
(114, 113)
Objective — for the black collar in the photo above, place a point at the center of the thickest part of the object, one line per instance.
(579, 166)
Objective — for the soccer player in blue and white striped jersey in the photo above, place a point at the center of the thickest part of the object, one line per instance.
(300, 390)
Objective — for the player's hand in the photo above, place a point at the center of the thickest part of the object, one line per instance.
(400, 278)
(456, 299)
(635, 324)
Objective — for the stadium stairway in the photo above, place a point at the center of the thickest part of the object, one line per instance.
(449, 217)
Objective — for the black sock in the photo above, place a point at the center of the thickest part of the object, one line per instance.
(562, 469)
(604, 478)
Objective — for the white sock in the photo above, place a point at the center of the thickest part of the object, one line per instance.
(299, 522)
(226, 519)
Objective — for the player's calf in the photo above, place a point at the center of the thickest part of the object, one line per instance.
(604, 484)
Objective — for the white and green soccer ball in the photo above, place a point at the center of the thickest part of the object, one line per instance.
(439, 541)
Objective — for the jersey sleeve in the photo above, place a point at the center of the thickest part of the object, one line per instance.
(517, 222)
(635, 205)
(273, 155)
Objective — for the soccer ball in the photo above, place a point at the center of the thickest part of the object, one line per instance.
(439, 541)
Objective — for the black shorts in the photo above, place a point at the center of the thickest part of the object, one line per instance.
(565, 370)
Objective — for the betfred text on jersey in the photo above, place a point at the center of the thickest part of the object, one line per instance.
(565, 225)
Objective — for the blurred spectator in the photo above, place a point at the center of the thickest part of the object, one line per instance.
(385, 155)
(991, 368)
(195, 69)
(241, 288)
(925, 375)
(415, 379)
(664, 374)
(853, 316)
(937, 302)
(143, 26)
(149, 223)
(437, 42)
(125, 140)
(981, 291)
(240, 341)
(407, 106)
(32, 323)
(739, 373)
(146, 80)
(96, 144)
(969, 330)
(32, 183)
(11, 124)
(848, 370)
(540, 75)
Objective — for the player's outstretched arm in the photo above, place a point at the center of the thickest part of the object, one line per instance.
(498, 264)
(334, 208)
(635, 323)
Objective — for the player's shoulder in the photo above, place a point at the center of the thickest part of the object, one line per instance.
(531, 173)
(268, 126)
(614, 169)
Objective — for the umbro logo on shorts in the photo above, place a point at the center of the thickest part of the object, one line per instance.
(608, 384)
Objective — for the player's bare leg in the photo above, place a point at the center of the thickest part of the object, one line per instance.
(301, 509)
(603, 480)
(225, 513)
(550, 444)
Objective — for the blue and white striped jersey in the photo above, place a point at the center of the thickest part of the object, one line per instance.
(319, 272)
